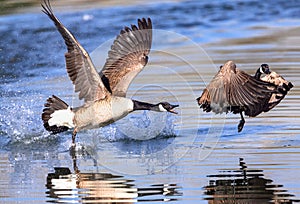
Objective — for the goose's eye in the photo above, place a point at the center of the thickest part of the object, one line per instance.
(144, 59)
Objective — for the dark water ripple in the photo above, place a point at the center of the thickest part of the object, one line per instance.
(245, 186)
(67, 187)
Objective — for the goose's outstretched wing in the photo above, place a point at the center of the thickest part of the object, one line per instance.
(78, 63)
(236, 90)
(127, 57)
(250, 93)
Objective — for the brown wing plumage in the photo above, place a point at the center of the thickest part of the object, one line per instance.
(127, 57)
(78, 63)
(234, 90)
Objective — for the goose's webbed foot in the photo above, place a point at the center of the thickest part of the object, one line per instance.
(242, 123)
(74, 137)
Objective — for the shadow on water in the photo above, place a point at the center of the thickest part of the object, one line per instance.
(67, 187)
(245, 186)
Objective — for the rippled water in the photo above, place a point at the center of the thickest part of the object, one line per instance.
(192, 157)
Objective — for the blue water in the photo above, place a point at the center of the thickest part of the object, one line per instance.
(188, 157)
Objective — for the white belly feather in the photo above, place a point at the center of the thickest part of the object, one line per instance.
(103, 112)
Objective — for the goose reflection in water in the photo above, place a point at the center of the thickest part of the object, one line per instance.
(245, 186)
(67, 187)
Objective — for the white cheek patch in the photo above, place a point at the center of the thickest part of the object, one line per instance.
(261, 70)
(161, 108)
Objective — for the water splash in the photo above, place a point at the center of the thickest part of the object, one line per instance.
(142, 121)
(19, 119)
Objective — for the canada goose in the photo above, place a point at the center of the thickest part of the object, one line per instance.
(233, 90)
(104, 98)
(274, 78)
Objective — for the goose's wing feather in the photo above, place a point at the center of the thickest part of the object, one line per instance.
(127, 57)
(235, 89)
(250, 93)
(78, 63)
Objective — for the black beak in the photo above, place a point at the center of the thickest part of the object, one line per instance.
(267, 71)
(171, 109)
(290, 85)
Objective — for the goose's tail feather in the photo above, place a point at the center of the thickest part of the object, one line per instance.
(57, 116)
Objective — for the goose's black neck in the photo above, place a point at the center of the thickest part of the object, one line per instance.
(257, 74)
(138, 105)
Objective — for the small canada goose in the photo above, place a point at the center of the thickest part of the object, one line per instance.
(233, 90)
(274, 78)
(104, 95)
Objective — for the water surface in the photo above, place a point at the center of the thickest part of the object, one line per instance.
(193, 157)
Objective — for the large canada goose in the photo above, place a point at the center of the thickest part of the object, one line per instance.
(233, 90)
(104, 98)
